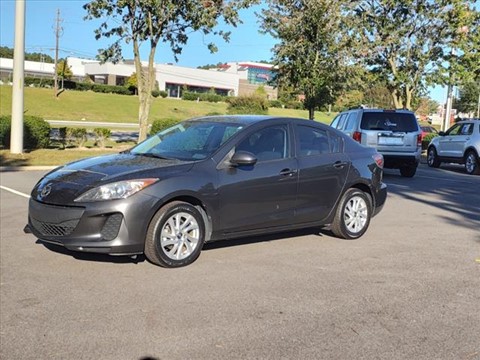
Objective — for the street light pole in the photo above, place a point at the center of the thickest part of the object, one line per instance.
(16, 133)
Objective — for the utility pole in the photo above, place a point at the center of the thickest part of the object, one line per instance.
(58, 30)
(16, 133)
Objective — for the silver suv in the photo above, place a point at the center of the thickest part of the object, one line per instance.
(459, 144)
(393, 133)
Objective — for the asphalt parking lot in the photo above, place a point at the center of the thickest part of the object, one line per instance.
(408, 289)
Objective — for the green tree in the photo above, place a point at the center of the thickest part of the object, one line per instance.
(154, 21)
(64, 71)
(309, 54)
(425, 106)
(412, 44)
(132, 83)
(468, 99)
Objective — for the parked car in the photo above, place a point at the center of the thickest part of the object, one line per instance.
(428, 130)
(459, 144)
(207, 179)
(393, 133)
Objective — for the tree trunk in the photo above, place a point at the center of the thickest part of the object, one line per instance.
(311, 113)
(397, 99)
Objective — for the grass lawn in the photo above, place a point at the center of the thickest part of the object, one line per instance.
(91, 106)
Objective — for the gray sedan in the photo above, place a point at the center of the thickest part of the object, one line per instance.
(208, 179)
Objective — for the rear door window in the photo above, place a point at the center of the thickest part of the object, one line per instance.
(389, 121)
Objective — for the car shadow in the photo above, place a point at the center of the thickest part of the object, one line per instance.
(92, 256)
(224, 243)
(95, 257)
(449, 188)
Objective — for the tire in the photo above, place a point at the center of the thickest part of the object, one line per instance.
(352, 215)
(432, 158)
(175, 236)
(472, 163)
(408, 171)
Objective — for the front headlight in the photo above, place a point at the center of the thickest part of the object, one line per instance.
(114, 191)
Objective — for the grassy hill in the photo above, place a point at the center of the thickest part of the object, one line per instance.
(91, 106)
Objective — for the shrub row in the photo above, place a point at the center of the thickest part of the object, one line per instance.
(426, 140)
(247, 105)
(79, 86)
(36, 132)
(208, 96)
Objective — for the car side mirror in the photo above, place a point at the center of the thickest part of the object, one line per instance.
(442, 133)
(243, 158)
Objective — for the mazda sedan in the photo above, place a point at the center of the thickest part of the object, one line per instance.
(208, 179)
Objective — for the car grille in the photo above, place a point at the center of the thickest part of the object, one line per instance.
(49, 229)
(112, 226)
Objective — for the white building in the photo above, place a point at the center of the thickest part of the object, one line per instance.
(230, 79)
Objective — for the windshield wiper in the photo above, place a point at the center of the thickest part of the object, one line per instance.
(152, 155)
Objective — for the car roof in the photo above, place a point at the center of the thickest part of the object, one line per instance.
(234, 119)
(389, 110)
(252, 119)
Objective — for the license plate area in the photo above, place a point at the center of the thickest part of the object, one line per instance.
(384, 139)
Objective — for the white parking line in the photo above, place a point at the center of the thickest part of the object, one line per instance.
(15, 192)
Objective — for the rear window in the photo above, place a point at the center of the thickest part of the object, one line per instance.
(389, 121)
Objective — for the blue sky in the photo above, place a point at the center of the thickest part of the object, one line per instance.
(78, 40)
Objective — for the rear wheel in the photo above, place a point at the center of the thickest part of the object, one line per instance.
(175, 235)
(408, 171)
(432, 158)
(352, 215)
(472, 163)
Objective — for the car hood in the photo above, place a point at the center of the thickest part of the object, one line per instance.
(63, 185)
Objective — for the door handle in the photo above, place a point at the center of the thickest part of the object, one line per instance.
(339, 164)
(288, 172)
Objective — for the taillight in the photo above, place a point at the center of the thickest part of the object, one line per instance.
(357, 136)
(378, 158)
(419, 140)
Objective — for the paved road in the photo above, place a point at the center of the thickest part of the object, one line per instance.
(408, 289)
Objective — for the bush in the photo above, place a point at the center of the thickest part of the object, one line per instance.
(426, 140)
(38, 82)
(101, 134)
(208, 96)
(296, 105)
(36, 132)
(161, 124)
(247, 105)
(111, 89)
(163, 93)
(155, 93)
(276, 104)
(77, 135)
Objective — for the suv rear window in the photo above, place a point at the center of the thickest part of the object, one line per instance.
(389, 121)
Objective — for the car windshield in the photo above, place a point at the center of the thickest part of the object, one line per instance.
(187, 141)
(389, 121)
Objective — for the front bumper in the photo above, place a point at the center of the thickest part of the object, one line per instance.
(112, 227)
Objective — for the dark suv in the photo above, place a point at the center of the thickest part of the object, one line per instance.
(393, 133)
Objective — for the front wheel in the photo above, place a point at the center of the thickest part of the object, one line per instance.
(352, 215)
(175, 235)
(432, 158)
(472, 163)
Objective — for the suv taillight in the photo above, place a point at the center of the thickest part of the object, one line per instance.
(378, 158)
(419, 140)
(357, 136)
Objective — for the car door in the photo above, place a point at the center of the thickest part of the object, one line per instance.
(458, 142)
(445, 145)
(322, 172)
(261, 195)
